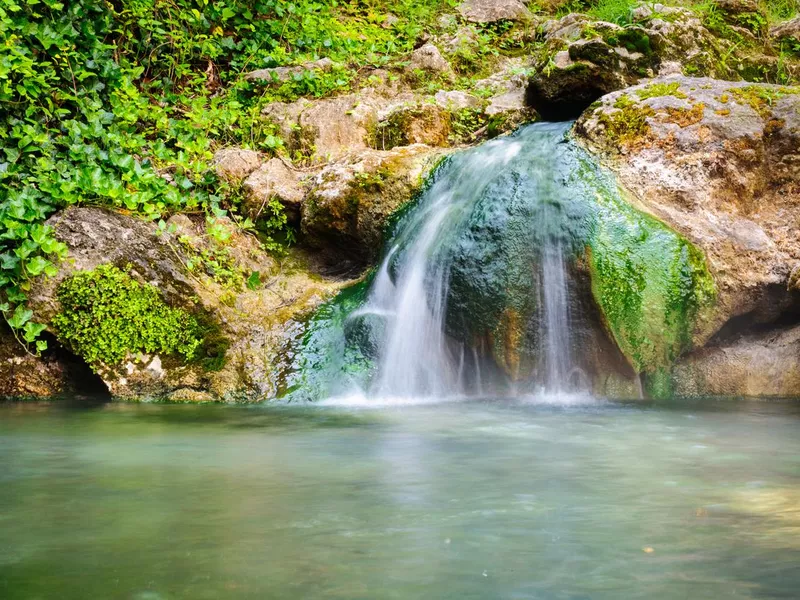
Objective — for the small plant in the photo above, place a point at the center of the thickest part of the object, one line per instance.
(107, 315)
(656, 90)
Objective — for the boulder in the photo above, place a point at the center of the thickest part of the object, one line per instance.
(758, 364)
(234, 164)
(428, 58)
(492, 11)
(718, 162)
(275, 179)
(352, 200)
(225, 280)
(786, 31)
(418, 123)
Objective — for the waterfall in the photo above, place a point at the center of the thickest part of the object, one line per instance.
(416, 356)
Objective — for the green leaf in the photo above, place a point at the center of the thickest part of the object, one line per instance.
(21, 316)
(254, 281)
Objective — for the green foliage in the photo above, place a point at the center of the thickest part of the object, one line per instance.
(613, 11)
(106, 314)
(656, 90)
(123, 104)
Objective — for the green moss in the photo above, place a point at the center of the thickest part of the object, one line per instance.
(761, 98)
(633, 39)
(652, 285)
(656, 90)
(628, 124)
(106, 314)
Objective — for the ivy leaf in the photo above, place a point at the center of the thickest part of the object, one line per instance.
(21, 316)
(37, 265)
(254, 281)
(32, 330)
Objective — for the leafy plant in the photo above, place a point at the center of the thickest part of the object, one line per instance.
(106, 315)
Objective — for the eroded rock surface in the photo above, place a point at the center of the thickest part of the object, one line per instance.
(246, 322)
(718, 162)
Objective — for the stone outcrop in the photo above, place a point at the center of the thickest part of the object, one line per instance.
(718, 162)
(234, 164)
(284, 74)
(756, 364)
(275, 179)
(351, 200)
(585, 59)
(247, 322)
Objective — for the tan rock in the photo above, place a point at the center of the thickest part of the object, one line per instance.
(491, 11)
(718, 162)
(234, 164)
(352, 199)
(274, 179)
(428, 58)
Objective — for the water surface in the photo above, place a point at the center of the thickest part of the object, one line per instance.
(479, 499)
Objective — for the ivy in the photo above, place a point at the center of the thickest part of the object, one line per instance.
(122, 104)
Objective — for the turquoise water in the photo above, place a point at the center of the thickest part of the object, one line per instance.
(478, 499)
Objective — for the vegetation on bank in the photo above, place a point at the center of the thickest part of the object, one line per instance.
(122, 104)
(107, 315)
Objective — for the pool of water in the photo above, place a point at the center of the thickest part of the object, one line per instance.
(479, 499)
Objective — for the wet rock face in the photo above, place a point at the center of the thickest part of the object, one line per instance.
(717, 161)
(242, 325)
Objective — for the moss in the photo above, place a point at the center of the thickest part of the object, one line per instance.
(106, 315)
(652, 286)
(656, 90)
(628, 124)
(633, 39)
(761, 98)
(685, 116)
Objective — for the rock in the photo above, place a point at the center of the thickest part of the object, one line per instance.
(718, 162)
(492, 11)
(421, 123)
(352, 199)
(274, 179)
(584, 59)
(456, 100)
(759, 365)
(23, 375)
(234, 164)
(786, 31)
(244, 324)
(428, 58)
(284, 74)
(329, 129)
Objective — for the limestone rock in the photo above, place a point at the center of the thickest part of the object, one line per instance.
(761, 365)
(274, 179)
(234, 164)
(283, 74)
(491, 11)
(352, 199)
(456, 100)
(788, 30)
(718, 162)
(428, 58)
(247, 322)
(418, 123)
(23, 375)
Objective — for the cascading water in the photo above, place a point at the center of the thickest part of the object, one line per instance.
(416, 355)
(494, 280)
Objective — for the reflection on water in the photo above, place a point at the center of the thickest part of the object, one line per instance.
(492, 499)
